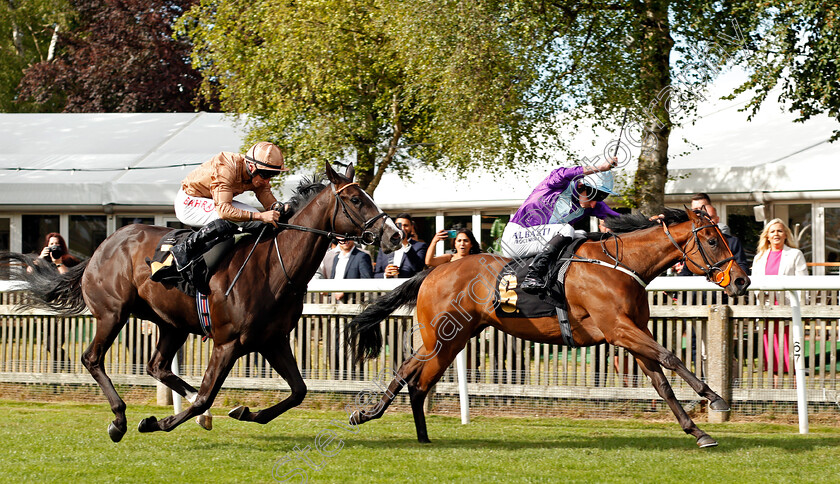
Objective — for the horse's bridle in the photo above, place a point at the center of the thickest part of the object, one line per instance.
(367, 237)
(714, 272)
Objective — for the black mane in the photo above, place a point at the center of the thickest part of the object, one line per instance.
(637, 221)
(306, 191)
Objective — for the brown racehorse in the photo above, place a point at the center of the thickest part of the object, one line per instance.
(258, 314)
(455, 301)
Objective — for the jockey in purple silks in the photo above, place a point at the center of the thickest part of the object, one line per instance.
(564, 197)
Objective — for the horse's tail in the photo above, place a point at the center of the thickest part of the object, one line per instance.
(363, 333)
(45, 288)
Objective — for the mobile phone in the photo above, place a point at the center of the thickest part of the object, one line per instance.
(452, 233)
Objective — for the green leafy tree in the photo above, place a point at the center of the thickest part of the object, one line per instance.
(29, 32)
(797, 49)
(461, 84)
(372, 80)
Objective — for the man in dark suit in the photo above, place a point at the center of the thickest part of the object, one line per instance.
(351, 263)
(408, 259)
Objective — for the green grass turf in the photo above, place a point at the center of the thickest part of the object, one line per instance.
(69, 443)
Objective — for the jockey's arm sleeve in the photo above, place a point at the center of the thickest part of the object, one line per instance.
(223, 198)
(561, 177)
(265, 197)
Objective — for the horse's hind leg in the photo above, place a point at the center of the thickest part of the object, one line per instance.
(160, 368)
(279, 355)
(663, 388)
(427, 375)
(221, 361)
(407, 370)
(107, 329)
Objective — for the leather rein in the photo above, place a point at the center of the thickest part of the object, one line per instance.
(367, 237)
(713, 271)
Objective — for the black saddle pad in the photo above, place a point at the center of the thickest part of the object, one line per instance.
(163, 266)
(197, 276)
(516, 303)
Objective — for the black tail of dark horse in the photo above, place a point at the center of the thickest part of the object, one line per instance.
(46, 288)
(364, 334)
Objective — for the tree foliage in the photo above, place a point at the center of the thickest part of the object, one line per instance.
(384, 82)
(797, 49)
(27, 30)
(119, 57)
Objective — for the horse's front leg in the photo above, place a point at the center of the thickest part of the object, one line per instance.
(663, 388)
(221, 361)
(279, 355)
(160, 368)
(641, 342)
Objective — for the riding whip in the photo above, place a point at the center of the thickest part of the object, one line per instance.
(620, 133)
(246, 260)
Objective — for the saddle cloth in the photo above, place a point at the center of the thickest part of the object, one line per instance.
(196, 278)
(513, 302)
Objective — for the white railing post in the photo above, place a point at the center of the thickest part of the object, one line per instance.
(797, 336)
(176, 399)
(461, 366)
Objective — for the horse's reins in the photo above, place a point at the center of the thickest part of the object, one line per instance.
(367, 237)
(713, 271)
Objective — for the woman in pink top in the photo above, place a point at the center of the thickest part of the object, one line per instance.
(777, 256)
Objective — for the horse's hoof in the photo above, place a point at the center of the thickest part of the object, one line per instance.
(115, 432)
(706, 441)
(205, 421)
(239, 413)
(148, 425)
(719, 405)
(356, 419)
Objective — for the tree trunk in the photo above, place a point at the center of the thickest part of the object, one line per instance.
(365, 164)
(656, 44)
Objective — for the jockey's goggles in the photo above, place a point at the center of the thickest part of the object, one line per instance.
(266, 174)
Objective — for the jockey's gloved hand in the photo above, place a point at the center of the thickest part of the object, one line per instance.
(285, 210)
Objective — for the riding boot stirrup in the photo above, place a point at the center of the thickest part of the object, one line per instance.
(535, 281)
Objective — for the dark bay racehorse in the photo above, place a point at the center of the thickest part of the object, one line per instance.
(455, 301)
(258, 314)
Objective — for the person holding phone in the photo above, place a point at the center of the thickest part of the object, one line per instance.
(463, 244)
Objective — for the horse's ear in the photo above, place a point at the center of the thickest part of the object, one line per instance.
(332, 176)
(692, 215)
(350, 173)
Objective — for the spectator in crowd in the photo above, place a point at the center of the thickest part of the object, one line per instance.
(350, 263)
(464, 244)
(408, 259)
(55, 252)
(777, 254)
(701, 201)
(326, 267)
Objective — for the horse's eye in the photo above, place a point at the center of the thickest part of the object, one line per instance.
(713, 243)
(356, 201)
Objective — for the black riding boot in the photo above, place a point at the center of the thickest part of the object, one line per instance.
(200, 241)
(534, 282)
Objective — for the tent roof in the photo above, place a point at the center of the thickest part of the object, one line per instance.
(721, 152)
